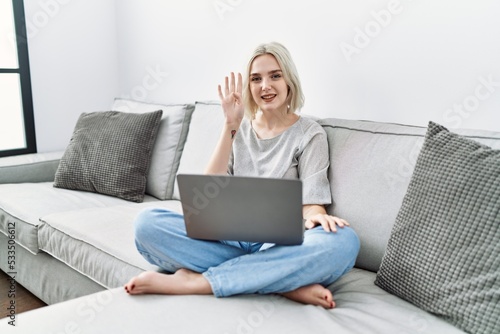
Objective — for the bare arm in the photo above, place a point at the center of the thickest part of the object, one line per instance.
(220, 158)
(316, 215)
(232, 105)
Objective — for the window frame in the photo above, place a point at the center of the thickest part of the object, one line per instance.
(25, 82)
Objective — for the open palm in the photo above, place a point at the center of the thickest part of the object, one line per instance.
(231, 99)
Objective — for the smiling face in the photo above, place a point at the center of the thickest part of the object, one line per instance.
(267, 85)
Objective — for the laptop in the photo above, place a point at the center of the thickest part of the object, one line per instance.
(223, 207)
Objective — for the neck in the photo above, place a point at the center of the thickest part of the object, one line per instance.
(275, 119)
(269, 125)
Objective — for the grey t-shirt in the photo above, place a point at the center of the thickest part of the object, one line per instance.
(301, 152)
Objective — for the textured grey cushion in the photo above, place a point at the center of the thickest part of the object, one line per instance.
(110, 153)
(443, 253)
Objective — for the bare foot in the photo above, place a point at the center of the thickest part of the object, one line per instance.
(183, 282)
(314, 294)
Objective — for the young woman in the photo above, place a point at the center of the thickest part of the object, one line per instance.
(272, 141)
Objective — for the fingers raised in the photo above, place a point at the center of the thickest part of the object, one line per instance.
(226, 85)
(232, 85)
(239, 88)
(221, 97)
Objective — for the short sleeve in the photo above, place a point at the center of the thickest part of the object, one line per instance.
(312, 168)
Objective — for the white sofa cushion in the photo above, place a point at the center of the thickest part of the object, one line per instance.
(204, 131)
(98, 242)
(24, 203)
(168, 146)
(362, 307)
(371, 164)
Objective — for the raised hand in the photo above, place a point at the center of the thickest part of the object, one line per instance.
(232, 105)
(232, 99)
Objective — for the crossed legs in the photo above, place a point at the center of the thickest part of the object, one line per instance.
(223, 269)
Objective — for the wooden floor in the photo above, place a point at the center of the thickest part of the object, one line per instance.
(23, 299)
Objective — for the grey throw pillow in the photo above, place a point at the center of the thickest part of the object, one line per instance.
(443, 254)
(110, 153)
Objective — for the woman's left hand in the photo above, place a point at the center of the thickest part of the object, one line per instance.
(329, 223)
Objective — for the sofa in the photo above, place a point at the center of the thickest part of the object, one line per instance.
(66, 244)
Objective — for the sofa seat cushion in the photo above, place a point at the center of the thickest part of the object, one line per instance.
(98, 242)
(361, 308)
(21, 205)
(371, 164)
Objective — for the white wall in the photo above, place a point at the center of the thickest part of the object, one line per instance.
(72, 49)
(425, 60)
(428, 61)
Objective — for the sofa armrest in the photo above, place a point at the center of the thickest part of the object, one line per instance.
(37, 167)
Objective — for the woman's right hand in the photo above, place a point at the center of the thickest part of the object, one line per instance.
(232, 100)
(232, 105)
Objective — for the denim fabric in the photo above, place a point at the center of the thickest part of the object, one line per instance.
(233, 267)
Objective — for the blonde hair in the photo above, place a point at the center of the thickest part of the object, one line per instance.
(295, 98)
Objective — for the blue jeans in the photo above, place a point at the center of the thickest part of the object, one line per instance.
(233, 267)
